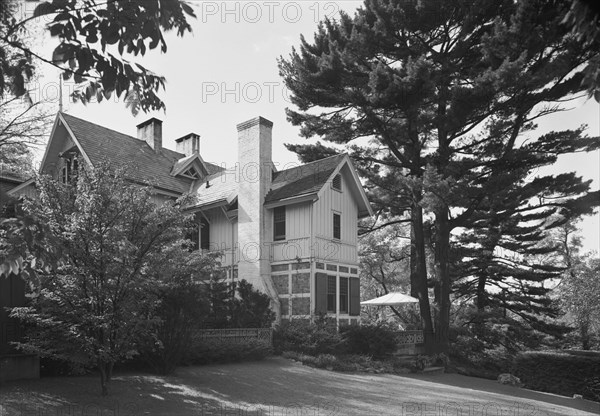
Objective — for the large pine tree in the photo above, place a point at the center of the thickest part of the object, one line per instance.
(437, 102)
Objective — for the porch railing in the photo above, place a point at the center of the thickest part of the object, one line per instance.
(411, 337)
(233, 335)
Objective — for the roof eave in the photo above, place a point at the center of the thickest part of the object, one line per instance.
(297, 199)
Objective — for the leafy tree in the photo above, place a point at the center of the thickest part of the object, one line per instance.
(579, 289)
(95, 39)
(437, 103)
(95, 305)
(385, 263)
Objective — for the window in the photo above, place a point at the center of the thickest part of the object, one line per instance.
(279, 223)
(204, 235)
(337, 226)
(331, 294)
(337, 182)
(193, 236)
(343, 295)
(69, 170)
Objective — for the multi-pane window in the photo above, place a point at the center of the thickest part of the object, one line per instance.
(337, 226)
(279, 223)
(337, 182)
(343, 295)
(331, 290)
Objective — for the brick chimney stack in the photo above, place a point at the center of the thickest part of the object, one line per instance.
(151, 132)
(255, 169)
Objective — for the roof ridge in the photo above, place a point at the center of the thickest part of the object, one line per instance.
(314, 161)
(114, 131)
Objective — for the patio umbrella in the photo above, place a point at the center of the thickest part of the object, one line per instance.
(391, 299)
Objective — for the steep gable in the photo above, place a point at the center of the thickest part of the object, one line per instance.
(301, 180)
(101, 143)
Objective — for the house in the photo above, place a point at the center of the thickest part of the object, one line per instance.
(292, 233)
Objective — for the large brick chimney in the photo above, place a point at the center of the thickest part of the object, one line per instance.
(255, 169)
(151, 132)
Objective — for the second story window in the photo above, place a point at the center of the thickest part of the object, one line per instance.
(279, 223)
(337, 226)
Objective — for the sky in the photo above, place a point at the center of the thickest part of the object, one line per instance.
(226, 72)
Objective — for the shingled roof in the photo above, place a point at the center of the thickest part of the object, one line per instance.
(101, 143)
(309, 178)
(303, 179)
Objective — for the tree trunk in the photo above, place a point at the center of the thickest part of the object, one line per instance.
(419, 276)
(585, 334)
(105, 374)
(442, 269)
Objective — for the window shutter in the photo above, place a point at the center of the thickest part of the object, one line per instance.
(354, 296)
(320, 293)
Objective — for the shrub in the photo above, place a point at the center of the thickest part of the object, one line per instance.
(557, 372)
(215, 351)
(376, 340)
(308, 338)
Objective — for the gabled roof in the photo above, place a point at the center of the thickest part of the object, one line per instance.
(304, 179)
(101, 143)
(298, 184)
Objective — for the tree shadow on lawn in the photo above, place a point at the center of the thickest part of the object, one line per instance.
(128, 395)
(274, 386)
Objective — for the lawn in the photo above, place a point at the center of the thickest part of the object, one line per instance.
(277, 386)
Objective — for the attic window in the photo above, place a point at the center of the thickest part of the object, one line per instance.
(192, 173)
(337, 182)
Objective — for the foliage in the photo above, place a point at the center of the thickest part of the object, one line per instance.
(308, 338)
(251, 308)
(377, 341)
(95, 305)
(448, 95)
(210, 352)
(181, 307)
(558, 372)
(96, 41)
(579, 290)
(235, 305)
(584, 18)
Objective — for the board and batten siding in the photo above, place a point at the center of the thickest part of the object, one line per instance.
(297, 234)
(332, 201)
(222, 234)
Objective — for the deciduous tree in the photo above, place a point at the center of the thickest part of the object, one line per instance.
(95, 304)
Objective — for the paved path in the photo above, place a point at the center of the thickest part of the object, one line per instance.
(277, 387)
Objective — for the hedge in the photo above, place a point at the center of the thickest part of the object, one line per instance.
(558, 372)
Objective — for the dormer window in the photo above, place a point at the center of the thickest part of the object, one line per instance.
(337, 182)
(191, 173)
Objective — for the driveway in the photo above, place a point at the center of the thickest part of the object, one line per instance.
(277, 387)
